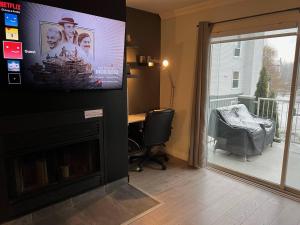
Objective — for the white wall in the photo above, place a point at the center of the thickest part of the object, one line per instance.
(179, 37)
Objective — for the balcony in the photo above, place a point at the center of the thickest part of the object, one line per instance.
(268, 165)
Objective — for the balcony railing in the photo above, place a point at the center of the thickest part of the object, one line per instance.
(278, 110)
(222, 102)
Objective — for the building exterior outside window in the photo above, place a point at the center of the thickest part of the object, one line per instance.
(247, 65)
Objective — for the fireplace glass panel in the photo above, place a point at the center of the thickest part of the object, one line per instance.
(37, 171)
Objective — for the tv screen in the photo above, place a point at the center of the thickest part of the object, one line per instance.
(52, 48)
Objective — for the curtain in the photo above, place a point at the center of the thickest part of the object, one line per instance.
(198, 144)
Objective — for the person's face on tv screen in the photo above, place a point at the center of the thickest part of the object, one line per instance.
(86, 44)
(52, 39)
(69, 29)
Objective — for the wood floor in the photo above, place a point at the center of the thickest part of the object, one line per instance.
(204, 197)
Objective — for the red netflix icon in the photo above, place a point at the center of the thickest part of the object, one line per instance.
(12, 50)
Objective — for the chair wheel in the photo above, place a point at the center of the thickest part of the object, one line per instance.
(166, 158)
(163, 167)
(139, 169)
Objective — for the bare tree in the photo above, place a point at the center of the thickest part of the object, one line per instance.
(273, 69)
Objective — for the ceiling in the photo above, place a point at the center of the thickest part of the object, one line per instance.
(161, 6)
(167, 7)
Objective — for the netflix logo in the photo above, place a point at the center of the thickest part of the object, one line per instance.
(9, 5)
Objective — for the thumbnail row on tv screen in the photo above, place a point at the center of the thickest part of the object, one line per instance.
(52, 48)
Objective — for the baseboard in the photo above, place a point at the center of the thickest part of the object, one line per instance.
(182, 157)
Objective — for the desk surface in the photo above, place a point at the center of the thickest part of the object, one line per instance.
(135, 118)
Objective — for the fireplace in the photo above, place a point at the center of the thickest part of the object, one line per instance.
(48, 157)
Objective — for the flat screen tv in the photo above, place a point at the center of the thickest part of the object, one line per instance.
(46, 47)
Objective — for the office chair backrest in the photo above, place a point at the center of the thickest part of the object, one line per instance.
(157, 127)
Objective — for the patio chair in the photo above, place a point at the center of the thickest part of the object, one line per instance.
(239, 132)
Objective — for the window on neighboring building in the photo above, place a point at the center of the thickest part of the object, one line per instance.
(237, 49)
(235, 79)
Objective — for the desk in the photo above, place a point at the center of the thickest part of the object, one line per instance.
(135, 118)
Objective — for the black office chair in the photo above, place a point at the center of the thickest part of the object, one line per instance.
(134, 153)
(156, 132)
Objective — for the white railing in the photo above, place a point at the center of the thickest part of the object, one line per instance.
(222, 102)
(277, 109)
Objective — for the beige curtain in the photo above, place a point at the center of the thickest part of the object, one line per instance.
(197, 154)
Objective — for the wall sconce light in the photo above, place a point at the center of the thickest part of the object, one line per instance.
(165, 63)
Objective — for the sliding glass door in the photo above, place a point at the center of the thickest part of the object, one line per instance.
(293, 164)
(252, 83)
(291, 172)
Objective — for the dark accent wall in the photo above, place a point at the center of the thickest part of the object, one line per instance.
(144, 91)
(113, 102)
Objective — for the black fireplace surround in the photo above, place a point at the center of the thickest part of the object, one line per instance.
(48, 157)
(28, 139)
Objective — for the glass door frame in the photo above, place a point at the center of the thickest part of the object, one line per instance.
(281, 187)
(292, 101)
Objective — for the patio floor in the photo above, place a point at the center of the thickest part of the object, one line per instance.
(266, 166)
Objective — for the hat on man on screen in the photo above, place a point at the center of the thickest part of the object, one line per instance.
(69, 32)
